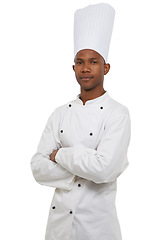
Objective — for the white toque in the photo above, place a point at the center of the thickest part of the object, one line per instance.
(93, 28)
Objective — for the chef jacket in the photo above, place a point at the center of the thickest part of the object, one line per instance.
(93, 141)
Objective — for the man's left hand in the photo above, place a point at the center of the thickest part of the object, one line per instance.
(53, 154)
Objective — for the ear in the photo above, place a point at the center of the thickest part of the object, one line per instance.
(73, 67)
(106, 68)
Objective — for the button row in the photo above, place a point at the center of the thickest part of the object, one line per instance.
(71, 212)
(71, 106)
(91, 134)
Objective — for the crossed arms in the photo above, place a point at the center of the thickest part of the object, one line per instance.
(57, 167)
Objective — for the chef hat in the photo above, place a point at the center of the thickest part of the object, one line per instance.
(93, 28)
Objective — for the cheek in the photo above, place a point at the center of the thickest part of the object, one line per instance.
(99, 72)
(77, 72)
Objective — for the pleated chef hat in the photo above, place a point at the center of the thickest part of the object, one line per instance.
(93, 28)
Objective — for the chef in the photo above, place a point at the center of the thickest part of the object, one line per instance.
(83, 148)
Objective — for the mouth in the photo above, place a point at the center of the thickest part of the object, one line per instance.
(86, 78)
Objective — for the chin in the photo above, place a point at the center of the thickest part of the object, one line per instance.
(87, 88)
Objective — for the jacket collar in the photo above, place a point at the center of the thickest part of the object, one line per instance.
(97, 100)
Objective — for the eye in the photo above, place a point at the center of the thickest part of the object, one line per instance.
(94, 62)
(78, 62)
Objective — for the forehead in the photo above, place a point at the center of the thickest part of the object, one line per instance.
(88, 53)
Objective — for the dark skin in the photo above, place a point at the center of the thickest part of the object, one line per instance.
(89, 69)
(53, 154)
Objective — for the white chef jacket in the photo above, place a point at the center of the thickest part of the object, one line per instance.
(92, 140)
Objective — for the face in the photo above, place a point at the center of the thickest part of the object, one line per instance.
(90, 69)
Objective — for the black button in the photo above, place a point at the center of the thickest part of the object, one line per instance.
(91, 134)
(53, 207)
(61, 131)
(101, 107)
(70, 105)
(79, 185)
(71, 212)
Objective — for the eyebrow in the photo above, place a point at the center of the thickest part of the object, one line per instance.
(83, 59)
(78, 59)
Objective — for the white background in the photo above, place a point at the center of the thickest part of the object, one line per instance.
(36, 57)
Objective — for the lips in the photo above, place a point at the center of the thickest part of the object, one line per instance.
(86, 78)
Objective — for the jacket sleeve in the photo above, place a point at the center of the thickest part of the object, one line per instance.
(109, 160)
(44, 170)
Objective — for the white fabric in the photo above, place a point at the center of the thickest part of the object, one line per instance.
(93, 141)
(93, 28)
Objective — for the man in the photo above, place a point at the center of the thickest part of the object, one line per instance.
(84, 146)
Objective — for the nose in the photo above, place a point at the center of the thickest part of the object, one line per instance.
(85, 68)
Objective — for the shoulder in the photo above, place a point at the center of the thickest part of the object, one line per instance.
(61, 110)
(117, 107)
(118, 112)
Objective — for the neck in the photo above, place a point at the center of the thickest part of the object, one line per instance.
(90, 95)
